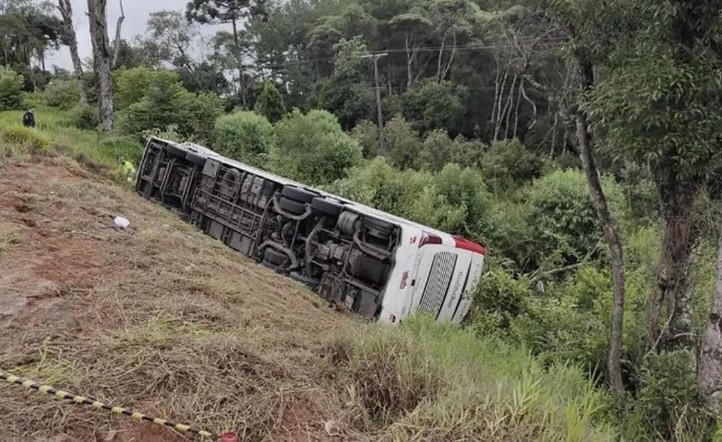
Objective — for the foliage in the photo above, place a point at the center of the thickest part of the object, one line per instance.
(62, 93)
(562, 219)
(312, 148)
(436, 379)
(270, 103)
(11, 88)
(85, 117)
(435, 105)
(402, 143)
(367, 135)
(508, 164)
(134, 84)
(669, 405)
(245, 136)
(156, 100)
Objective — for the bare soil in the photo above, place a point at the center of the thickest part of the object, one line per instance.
(158, 317)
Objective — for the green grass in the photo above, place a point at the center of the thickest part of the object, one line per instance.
(426, 381)
(57, 126)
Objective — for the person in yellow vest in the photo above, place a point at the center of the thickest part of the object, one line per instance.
(128, 169)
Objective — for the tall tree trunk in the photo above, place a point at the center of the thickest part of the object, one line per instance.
(97, 12)
(497, 105)
(239, 60)
(709, 362)
(445, 73)
(611, 236)
(441, 57)
(66, 12)
(116, 42)
(410, 55)
(676, 197)
(508, 107)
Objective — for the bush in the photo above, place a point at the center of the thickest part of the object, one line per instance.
(312, 148)
(166, 103)
(669, 405)
(132, 85)
(11, 89)
(433, 105)
(245, 136)
(63, 94)
(499, 299)
(367, 135)
(270, 103)
(561, 217)
(85, 117)
(402, 143)
(24, 137)
(508, 164)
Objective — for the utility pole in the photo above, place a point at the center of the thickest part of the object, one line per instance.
(382, 145)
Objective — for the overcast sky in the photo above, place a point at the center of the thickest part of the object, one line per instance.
(136, 18)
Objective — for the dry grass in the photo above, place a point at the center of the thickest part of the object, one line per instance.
(159, 318)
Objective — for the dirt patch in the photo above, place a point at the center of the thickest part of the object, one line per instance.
(159, 318)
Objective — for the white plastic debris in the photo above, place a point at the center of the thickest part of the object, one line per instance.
(121, 222)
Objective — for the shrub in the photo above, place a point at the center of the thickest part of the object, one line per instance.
(312, 148)
(132, 85)
(85, 117)
(270, 103)
(562, 219)
(245, 136)
(499, 299)
(11, 89)
(508, 164)
(402, 143)
(24, 137)
(433, 105)
(669, 405)
(367, 135)
(63, 94)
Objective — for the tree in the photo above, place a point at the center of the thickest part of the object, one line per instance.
(270, 103)
(71, 39)
(245, 136)
(173, 36)
(312, 148)
(709, 366)
(416, 27)
(663, 77)
(11, 89)
(102, 60)
(227, 11)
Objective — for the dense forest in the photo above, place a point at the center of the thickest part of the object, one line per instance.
(578, 139)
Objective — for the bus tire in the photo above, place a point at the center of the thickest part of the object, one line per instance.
(274, 258)
(377, 228)
(194, 158)
(298, 194)
(327, 207)
(175, 151)
(291, 206)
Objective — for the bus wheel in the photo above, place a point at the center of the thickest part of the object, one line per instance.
(327, 207)
(298, 194)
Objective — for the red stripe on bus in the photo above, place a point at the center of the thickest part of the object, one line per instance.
(465, 244)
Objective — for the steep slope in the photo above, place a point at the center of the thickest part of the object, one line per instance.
(158, 317)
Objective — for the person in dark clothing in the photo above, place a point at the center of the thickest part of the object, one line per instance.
(29, 119)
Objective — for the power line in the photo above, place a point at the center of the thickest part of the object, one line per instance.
(403, 51)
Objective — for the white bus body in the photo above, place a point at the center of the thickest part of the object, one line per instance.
(380, 265)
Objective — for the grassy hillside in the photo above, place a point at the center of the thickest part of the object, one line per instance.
(168, 321)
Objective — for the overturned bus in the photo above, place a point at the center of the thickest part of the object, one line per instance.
(381, 266)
